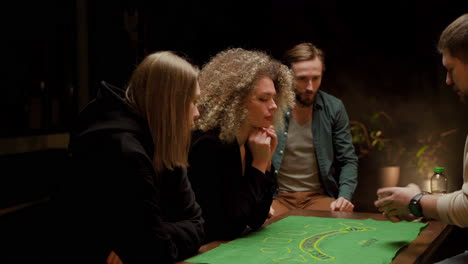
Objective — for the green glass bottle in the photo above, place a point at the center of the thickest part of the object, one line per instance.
(439, 182)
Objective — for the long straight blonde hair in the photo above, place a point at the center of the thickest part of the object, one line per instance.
(161, 88)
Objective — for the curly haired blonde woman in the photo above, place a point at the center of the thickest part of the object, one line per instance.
(243, 96)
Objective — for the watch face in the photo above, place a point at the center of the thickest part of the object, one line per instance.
(414, 206)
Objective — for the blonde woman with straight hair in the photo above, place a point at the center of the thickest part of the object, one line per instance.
(130, 194)
(244, 95)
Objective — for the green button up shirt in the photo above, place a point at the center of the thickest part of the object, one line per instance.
(336, 158)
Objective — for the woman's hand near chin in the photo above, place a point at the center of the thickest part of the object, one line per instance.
(260, 145)
(274, 139)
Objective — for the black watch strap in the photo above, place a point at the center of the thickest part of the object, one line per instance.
(414, 205)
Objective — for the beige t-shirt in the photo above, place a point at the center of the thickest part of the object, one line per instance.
(299, 170)
(453, 207)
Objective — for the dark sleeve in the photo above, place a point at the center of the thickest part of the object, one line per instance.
(147, 236)
(345, 154)
(230, 202)
(260, 187)
(183, 219)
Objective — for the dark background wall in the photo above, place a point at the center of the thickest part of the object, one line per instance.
(380, 56)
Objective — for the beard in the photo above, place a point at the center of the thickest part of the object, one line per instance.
(461, 94)
(304, 101)
(463, 98)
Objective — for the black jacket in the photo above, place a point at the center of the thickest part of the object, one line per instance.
(116, 200)
(230, 202)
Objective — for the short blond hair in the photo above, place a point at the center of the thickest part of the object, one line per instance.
(454, 38)
(226, 82)
(161, 89)
(302, 52)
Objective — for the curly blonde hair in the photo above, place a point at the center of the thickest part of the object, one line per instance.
(226, 82)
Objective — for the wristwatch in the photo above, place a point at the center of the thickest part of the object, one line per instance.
(414, 205)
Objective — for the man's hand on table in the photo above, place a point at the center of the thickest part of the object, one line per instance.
(342, 204)
(271, 213)
(393, 202)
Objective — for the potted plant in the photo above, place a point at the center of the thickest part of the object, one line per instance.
(431, 148)
(375, 135)
(430, 151)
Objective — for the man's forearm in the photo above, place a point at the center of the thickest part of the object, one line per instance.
(429, 206)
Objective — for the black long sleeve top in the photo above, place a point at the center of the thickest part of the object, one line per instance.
(230, 201)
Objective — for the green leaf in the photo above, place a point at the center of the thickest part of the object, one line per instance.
(421, 151)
